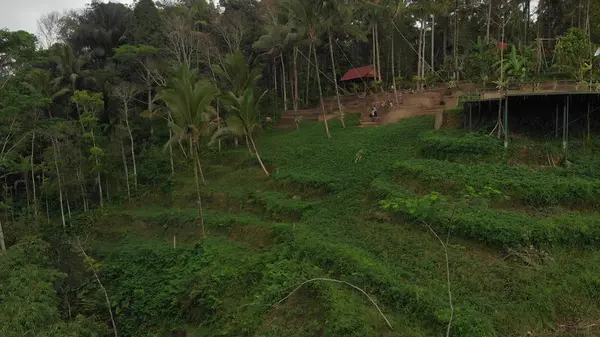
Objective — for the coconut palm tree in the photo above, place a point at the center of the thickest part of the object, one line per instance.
(275, 43)
(339, 19)
(189, 101)
(236, 74)
(308, 16)
(245, 121)
(71, 74)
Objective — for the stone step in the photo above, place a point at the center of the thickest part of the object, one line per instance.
(369, 123)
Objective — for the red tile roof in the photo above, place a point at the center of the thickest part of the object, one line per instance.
(361, 72)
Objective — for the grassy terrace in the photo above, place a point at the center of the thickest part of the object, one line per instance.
(522, 266)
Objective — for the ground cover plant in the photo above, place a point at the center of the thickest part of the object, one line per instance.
(149, 186)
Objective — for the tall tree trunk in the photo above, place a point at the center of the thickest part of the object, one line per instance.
(68, 204)
(35, 203)
(499, 124)
(488, 23)
(82, 186)
(419, 58)
(296, 80)
(310, 48)
(106, 298)
(200, 170)
(60, 195)
(28, 198)
(131, 141)
(283, 82)
(445, 44)
(527, 15)
(171, 145)
(432, 42)
(98, 178)
(107, 182)
(218, 114)
(321, 94)
(394, 72)
(275, 80)
(592, 51)
(588, 28)
(195, 159)
(374, 50)
(46, 197)
(262, 165)
(248, 145)
(424, 63)
(335, 84)
(2, 243)
(126, 170)
(378, 55)
(149, 102)
(455, 47)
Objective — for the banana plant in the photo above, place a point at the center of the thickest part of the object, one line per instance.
(516, 67)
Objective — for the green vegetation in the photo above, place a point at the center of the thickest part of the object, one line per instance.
(455, 145)
(322, 218)
(145, 189)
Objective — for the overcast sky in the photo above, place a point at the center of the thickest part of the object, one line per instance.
(23, 14)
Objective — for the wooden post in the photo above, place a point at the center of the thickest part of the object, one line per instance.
(506, 123)
(588, 121)
(556, 123)
(470, 118)
(567, 122)
(564, 131)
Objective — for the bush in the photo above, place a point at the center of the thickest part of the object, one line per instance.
(280, 206)
(445, 145)
(358, 267)
(500, 228)
(29, 301)
(547, 187)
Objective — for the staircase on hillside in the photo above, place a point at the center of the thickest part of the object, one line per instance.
(416, 104)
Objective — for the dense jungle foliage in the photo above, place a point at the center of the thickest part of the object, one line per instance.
(145, 190)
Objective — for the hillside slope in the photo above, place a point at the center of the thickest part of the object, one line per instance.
(522, 264)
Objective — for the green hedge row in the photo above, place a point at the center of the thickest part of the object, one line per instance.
(454, 145)
(512, 229)
(280, 206)
(357, 267)
(533, 188)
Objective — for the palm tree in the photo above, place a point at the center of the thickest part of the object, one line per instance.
(246, 119)
(277, 40)
(236, 74)
(71, 75)
(339, 19)
(307, 15)
(189, 101)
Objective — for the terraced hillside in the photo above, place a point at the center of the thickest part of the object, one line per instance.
(521, 238)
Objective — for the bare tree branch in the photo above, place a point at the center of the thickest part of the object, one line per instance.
(77, 244)
(445, 245)
(338, 281)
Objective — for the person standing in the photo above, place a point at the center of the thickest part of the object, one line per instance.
(373, 113)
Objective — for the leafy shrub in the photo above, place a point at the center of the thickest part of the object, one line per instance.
(154, 169)
(501, 228)
(360, 268)
(445, 146)
(280, 206)
(534, 188)
(30, 303)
